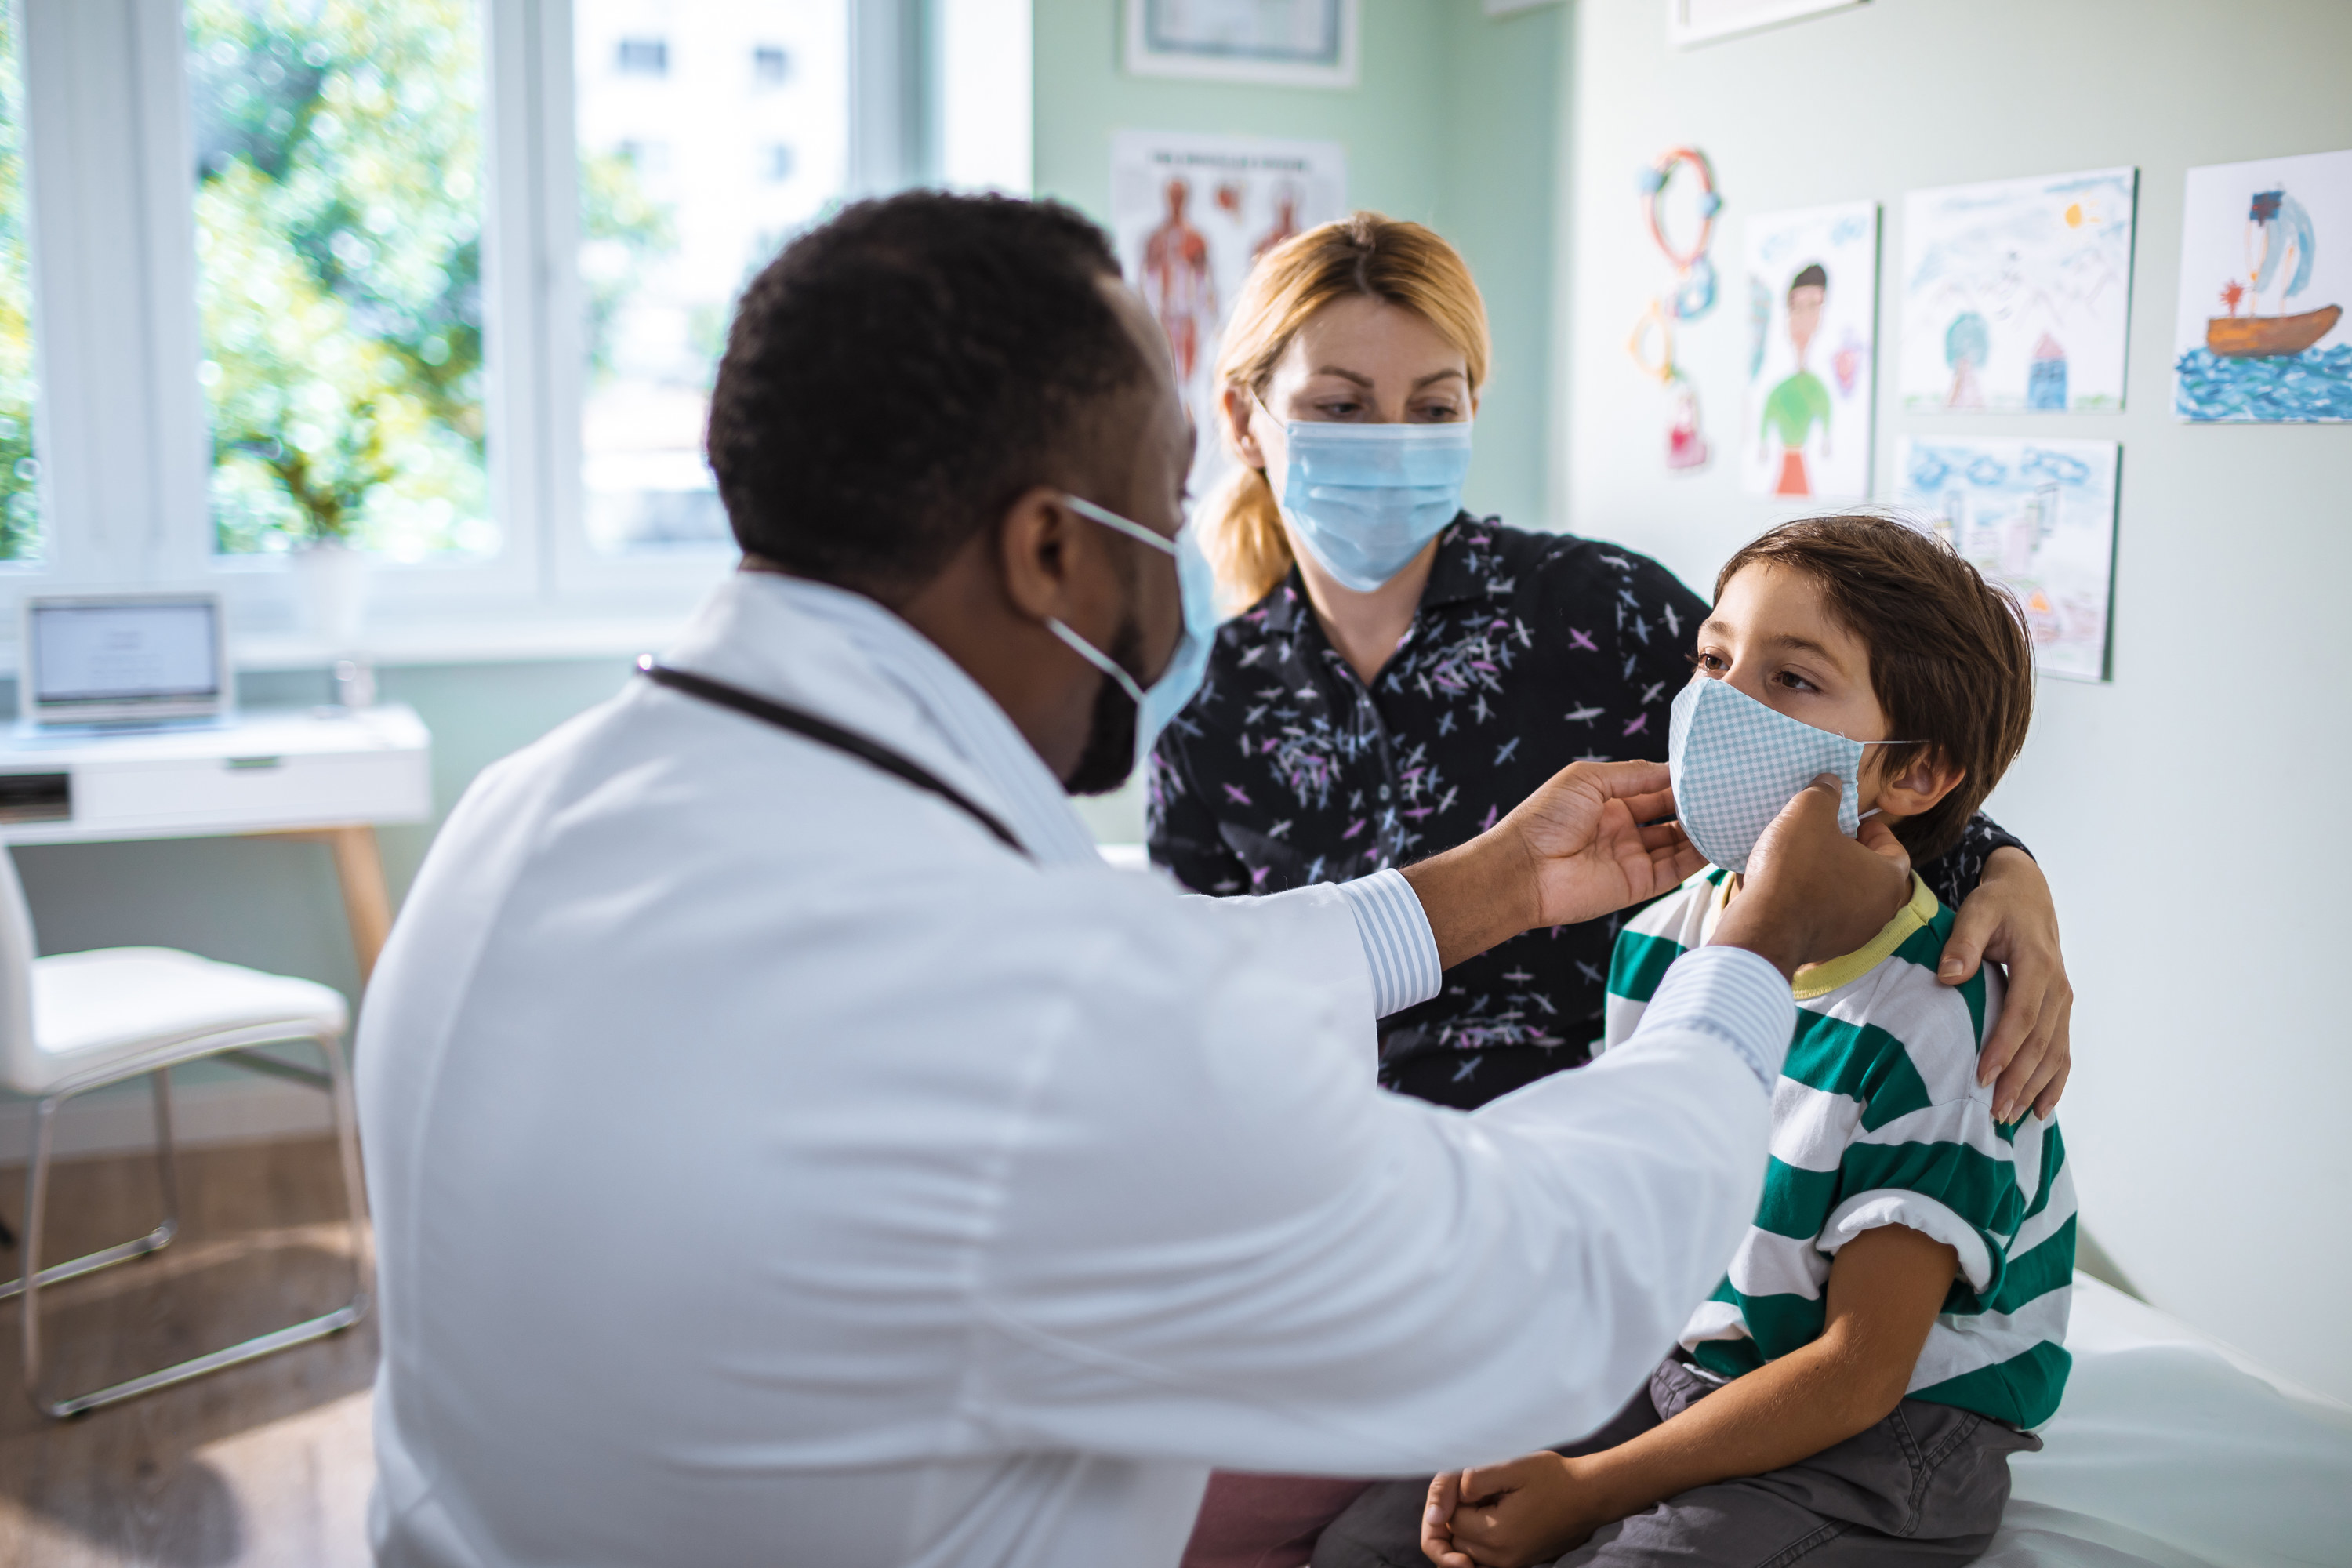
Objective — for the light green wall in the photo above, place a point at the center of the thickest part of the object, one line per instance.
(2208, 1026)
(1506, 86)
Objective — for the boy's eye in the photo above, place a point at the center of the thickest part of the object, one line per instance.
(1794, 682)
(1711, 663)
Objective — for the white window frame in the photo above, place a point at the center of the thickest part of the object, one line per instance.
(122, 426)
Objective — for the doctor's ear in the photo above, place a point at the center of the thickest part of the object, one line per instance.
(1925, 779)
(1039, 544)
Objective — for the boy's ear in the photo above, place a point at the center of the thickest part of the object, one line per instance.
(1925, 780)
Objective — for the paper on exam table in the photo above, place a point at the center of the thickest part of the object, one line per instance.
(2173, 1451)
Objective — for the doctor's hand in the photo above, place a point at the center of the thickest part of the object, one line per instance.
(1574, 850)
(1809, 893)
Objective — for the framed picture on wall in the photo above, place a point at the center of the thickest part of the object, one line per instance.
(1703, 21)
(1282, 42)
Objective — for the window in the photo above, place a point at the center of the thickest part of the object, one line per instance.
(20, 470)
(446, 277)
(643, 57)
(648, 160)
(662, 260)
(339, 247)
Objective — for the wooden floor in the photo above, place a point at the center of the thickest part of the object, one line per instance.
(265, 1463)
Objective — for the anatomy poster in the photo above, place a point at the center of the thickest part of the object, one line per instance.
(1190, 213)
(1812, 315)
(2265, 275)
(2039, 516)
(2017, 294)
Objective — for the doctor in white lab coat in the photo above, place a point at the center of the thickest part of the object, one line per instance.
(789, 1143)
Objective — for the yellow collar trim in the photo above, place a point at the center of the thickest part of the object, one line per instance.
(1821, 979)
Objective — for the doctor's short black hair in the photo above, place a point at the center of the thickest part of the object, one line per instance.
(898, 376)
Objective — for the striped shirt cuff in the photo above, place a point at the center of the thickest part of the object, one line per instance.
(1733, 995)
(1398, 947)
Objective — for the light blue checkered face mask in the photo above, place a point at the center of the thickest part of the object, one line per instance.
(1196, 582)
(1737, 762)
(1364, 499)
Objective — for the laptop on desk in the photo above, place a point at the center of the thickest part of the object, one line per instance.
(123, 659)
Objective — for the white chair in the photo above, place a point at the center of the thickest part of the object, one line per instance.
(81, 1021)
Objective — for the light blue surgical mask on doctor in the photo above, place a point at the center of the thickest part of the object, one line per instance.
(1364, 499)
(1157, 704)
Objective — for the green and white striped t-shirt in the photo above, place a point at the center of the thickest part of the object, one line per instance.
(1878, 1120)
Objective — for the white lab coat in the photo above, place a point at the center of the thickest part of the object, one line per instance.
(770, 1167)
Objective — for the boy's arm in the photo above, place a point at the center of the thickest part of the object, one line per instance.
(1884, 1289)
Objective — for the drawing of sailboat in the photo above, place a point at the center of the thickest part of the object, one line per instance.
(2283, 225)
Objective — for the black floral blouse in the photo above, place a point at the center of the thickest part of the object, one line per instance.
(1529, 651)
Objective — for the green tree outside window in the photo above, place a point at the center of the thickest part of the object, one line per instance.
(339, 231)
(339, 248)
(20, 472)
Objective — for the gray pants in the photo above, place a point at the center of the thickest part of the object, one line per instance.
(1925, 1485)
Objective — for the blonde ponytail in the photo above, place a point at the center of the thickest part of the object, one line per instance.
(1365, 254)
(1243, 541)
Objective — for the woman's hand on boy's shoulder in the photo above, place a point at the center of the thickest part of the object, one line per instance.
(2012, 919)
(1510, 1516)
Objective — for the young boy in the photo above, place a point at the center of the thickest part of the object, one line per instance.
(1891, 1327)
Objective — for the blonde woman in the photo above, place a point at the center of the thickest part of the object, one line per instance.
(1400, 672)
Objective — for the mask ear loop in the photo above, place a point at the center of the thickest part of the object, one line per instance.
(1111, 520)
(1078, 645)
(1095, 657)
(1875, 810)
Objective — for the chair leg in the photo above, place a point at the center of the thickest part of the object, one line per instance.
(167, 1155)
(347, 1134)
(37, 1186)
(332, 1322)
(37, 1195)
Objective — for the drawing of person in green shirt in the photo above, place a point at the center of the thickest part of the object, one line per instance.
(1802, 401)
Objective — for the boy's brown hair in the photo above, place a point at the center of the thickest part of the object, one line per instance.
(1951, 661)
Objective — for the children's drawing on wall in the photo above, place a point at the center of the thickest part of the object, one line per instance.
(2017, 293)
(2265, 273)
(1190, 215)
(1812, 290)
(1690, 296)
(2039, 516)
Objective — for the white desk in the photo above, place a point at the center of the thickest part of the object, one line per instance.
(312, 773)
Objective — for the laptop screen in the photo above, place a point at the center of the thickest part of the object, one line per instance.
(161, 651)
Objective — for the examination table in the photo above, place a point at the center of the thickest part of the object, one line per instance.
(2170, 1450)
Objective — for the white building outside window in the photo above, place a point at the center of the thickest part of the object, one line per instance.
(749, 157)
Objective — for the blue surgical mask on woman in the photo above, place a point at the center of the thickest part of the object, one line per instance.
(1157, 704)
(1364, 499)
